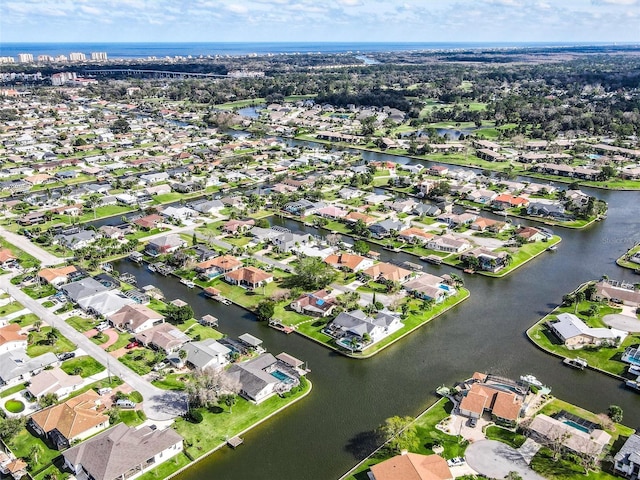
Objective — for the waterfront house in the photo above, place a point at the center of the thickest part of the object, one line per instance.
(530, 234)
(148, 222)
(249, 277)
(488, 260)
(547, 208)
(429, 287)
(122, 452)
(448, 243)
(357, 324)
(504, 406)
(617, 293)
(353, 217)
(627, 460)
(288, 241)
(77, 240)
(75, 419)
(104, 303)
(165, 244)
(385, 228)
(206, 354)
(218, 265)
(574, 333)
(504, 201)
(412, 466)
(135, 318)
(178, 213)
(582, 440)
(233, 226)
(415, 235)
(317, 304)
(482, 196)
(87, 287)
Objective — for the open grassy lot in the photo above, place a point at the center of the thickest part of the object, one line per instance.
(81, 324)
(85, 366)
(44, 341)
(10, 308)
(26, 320)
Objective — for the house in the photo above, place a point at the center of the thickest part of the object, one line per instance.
(482, 196)
(7, 258)
(426, 209)
(438, 170)
(415, 235)
(288, 241)
(87, 287)
(429, 287)
(54, 381)
(165, 244)
(135, 318)
(504, 201)
(249, 277)
(530, 234)
(386, 227)
(627, 460)
(317, 304)
(448, 243)
(264, 376)
(357, 324)
(163, 336)
(233, 226)
(148, 222)
(349, 262)
(104, 303)
(412, 466)
(219, 265)
(547, 208)
(206, 354)
(590, 442)
(487, 260)
(481, 224)
(178, 213)
(332, 212)
(353, 217)
(348, 193)
(606, 291)
(208, 207)
(11, 338)
(16, 366)
(574, 333)
(387, 272)
(504, 406)
(75, 419)
(76, 241)
(122, 452)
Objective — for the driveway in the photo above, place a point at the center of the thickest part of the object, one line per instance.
(627, 323)
(158, 404)
(495, 460)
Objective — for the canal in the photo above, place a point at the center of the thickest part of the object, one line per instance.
(326, 433)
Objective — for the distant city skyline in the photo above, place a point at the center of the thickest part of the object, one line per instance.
(320, 21)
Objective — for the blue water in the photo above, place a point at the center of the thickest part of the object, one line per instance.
(195, 49)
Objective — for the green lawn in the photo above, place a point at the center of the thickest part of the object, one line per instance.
(429, 436)
(505, 436)
(25, 260)
(12, 390)
(140, 360)
(220, 425)
(624, 262)
(10, 308)
(544, 464)
(81, 324)
(26, 320)
(87, 366)
(21, 446)
(197, 331)
(42, 291)
(165, 469)
(123, 339)
(38, 343)
(605, 358)
(173, 381)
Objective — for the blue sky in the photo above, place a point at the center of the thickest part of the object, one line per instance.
(320, 20)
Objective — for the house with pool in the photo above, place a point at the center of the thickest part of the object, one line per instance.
(356, 331)
(429, 287)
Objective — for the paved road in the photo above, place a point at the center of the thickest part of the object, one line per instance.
(23, 243)
(495, 460)
(158, 404)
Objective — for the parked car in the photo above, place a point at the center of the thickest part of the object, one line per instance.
(125, 403)
(132, 345)
(104, 391)
(159, 366)
(473, 422)
(456, 461)
(66, 356)
(102, 326)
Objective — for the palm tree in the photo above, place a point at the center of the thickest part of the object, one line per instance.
(579, 297)
(52, 336)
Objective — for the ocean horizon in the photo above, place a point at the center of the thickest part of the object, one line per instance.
(131, 50)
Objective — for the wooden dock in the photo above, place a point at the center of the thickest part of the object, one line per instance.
(234, 442)
(279, 326)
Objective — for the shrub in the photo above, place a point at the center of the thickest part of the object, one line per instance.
(195, 416)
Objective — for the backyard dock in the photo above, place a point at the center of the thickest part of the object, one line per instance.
(234, 442)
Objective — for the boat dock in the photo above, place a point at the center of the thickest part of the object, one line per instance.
(433, 259)
(234, 442)
(281, 327)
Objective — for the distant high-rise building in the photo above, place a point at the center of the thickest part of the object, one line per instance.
(100, 56)
(61, 58)
(7, 60)
(45, 58)
(58, 79)
(77, 57)
(25, 57)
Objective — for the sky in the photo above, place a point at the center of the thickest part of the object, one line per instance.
(320, 20)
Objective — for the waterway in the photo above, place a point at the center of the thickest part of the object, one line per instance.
(329, 431)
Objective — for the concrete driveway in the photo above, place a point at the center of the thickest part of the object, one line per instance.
(495, 460)
(627, 323)
(158, 404)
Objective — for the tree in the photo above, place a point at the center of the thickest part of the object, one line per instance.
(228, 399)
(590, 291)
(120, 126)
(361, 247)
(52, 336)
(313, 274)
(34, 453)
(615, 413)
(208, 385)
(178, 315)
(265, 310)
(182, 354)
(579, 297)
(399, 433)
(47, 400)
(11, 426)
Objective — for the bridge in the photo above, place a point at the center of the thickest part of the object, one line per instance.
(153, 73)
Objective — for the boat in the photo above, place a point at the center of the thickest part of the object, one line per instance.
(128, 278)
(634, 384)
(136, 257)
(107, 267)
(634, 369)
(433, 259)
(579, 363)
(188, 283)
(531, 380)
(280, 326)
(443, 391)
(469, 271)
(151, 267)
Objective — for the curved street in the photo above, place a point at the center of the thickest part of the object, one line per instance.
(496, 460)
(158, 404)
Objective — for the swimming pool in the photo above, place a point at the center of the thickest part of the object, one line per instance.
(576, 426)
(282, 377)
